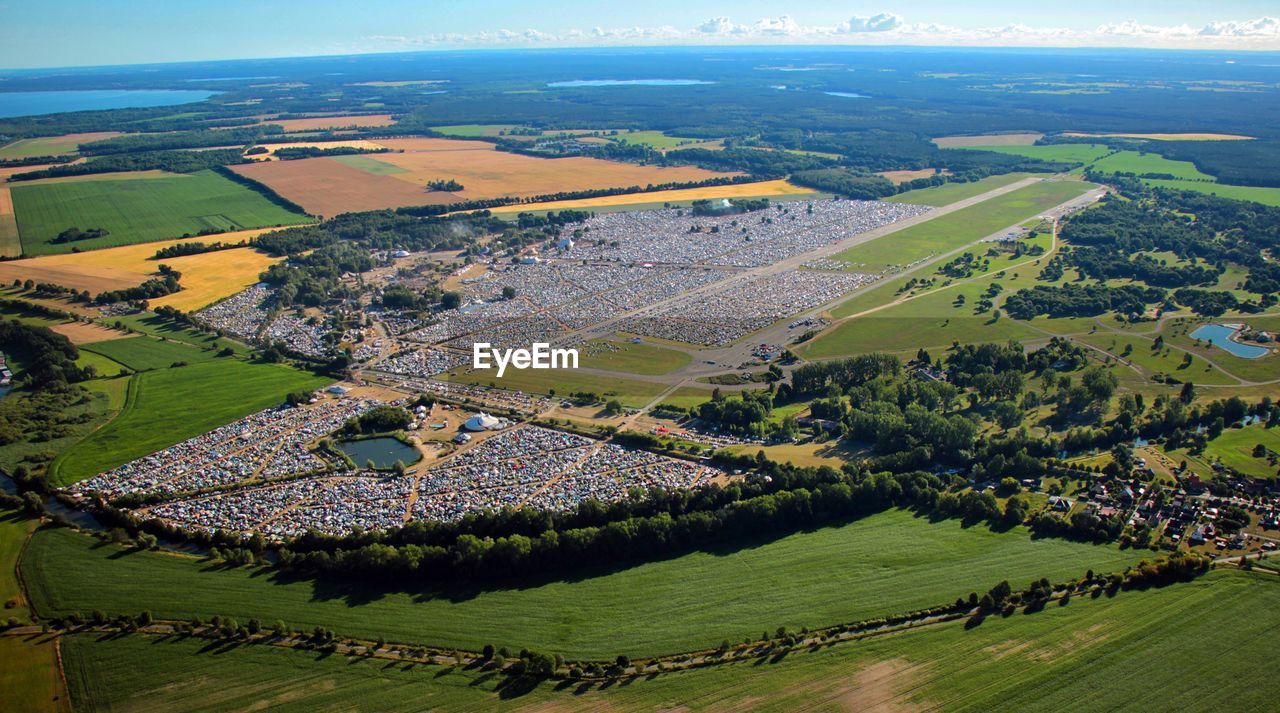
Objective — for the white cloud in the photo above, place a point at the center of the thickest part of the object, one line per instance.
(1261, 33)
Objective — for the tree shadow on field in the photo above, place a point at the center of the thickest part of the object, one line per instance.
(517, 686)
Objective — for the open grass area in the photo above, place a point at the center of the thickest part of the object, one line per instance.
(1088, 650)
(1234, 449)
(951, 192)
(954, 230)
(29, 676)
(10, 240)
(101, 364)
(1258, 194)
(1138, 350)
(1140, 163)
(51, 145)
(1066, 153)
(634, 358)
(474, 131)
(688, 396)
(886, 563)
(106, 398)
(137, 211)
(150, 323)
(631, 392)
(14, 529)
(170, 405)
(660, 141)
(143, 353)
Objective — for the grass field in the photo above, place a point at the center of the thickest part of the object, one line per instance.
(149, 323)
(631, 392)
(949, 193)
(51, 145)
(324, 123)
(29, 677)
(1234, 448)
(662, 142)
(1066, 153)
(886, 563)
(206, 278)
(475, 131)
(10, 242)
(636, 359)
(136, 211)
(106, 397)
(171, 405)
(1259, 194)
(144, 353)
(761, 189)
(964, 142)
(1172, 137)
(14, 530)
(951, 231)
(1140, 163)
(102, 365)
(1090, 650)
(688, 396)
(1167, 360)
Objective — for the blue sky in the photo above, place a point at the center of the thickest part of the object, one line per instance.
(48, 33)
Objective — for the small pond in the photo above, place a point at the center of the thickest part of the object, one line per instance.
(1219, 335)
(384, 452)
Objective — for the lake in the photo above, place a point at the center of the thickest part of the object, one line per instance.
(384, 452)
(1219, 335)
(36, 103)
(847, 95)
(628, 83)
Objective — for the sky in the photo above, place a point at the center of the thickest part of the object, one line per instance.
(57, 33)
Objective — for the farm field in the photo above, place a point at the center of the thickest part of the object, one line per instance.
(326, 123)
(170, 405)
(81, 333)
(150, 323)
(52, 145)
(903, 176)
(1067, 153)
(29, 676)
(1140, 163)
(886, 563)
(270, 155)
(951, 231)
(475, 131)
(630, 392)
(1258, 194)
(101, 365)
(145, 353)
(1049, 661)
(948, 193)
(662, 142)
(10, 242)
(636, 359)
(1234, 449)
(776, 189)
(137, 211)
(326, 187)
(1170, 137)
(961, 142)
(369, 164)
(14, 530)
(206, 278)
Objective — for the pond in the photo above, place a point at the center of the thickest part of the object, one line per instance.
(37, 103)
(628, 83)
(847, 95)
(384, 452)
(1220, 335)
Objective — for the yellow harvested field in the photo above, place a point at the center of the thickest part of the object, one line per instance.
(758, 189)
(904, 176)
(206, 278)
(10, 243)
(415, 145)
(270, 155)
(959, 142)
(326, 123)
(86, 333)
(326, 187)
(1169, 137)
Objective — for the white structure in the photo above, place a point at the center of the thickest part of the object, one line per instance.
(481, 422)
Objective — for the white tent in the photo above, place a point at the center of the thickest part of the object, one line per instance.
(481, 422)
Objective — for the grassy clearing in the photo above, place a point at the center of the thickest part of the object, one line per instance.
(949, 193)
(1170, 361)
(150, 323)
(635, 359)
(1258, 194)
(144, 353)
(631, 392)
(51, 145)
(14, 530)
(171, 405)
(29, 676)
(660, 141)
(953, 230)
(106, 399)
(101, 364)
(472, 131)
(886, 563)
(1090, 650)
(137, 211)
(1066, 153)
(1140, 163)
(687, 397)
(1234, 448)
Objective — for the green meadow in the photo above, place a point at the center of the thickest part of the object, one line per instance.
(949, 193)
(632, 358)
(143, 353)
(562, 382)
(1066, 153)
(886, 563)
(170, 405)
(139, 210)
(1133, 651)
(1258, 194)
(1140, 163)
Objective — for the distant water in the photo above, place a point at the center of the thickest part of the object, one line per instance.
(628, 83)
(1220, 336)
(847, 95)
(36, 103)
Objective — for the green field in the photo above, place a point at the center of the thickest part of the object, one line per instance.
(150, 323)
(1187, 647)
(688, 396)
(1266, 196)
(656, 139)
(1234, 448)
(1065, 153)
(636, 359)
(369, 164)
(139, 210)
(631, 392)
(1140, 163)
(1167, 360)
(29, 675)
(954, 230)
(13, 532)
(143, 353)
(39, 146)
(472, 131)
(949, 193)
(891, 562)
(172, 405)
(102, 365)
